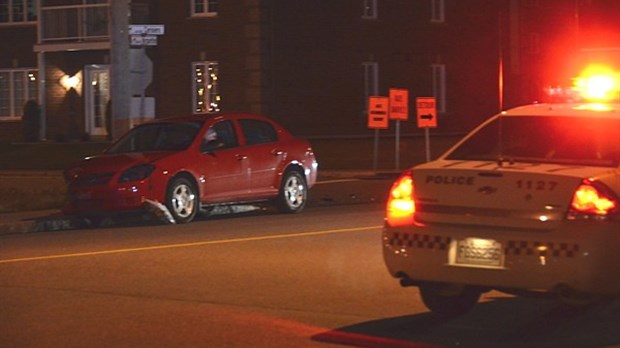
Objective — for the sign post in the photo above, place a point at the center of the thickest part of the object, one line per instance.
(427, 118)
(143, 35)
(399, 111)
(377, 119)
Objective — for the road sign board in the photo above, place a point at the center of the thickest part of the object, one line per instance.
(378, 112)
(399, 104)
(427, 112)
(146, 29)
(143, 40)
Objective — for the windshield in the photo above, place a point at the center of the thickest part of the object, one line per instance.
(157, 137)
(573, 140)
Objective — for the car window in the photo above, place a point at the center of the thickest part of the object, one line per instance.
(257, 131)
(173, 136)
(219, 136)
(576, 140)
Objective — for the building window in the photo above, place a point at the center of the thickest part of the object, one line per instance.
(369, 11)
(17, 86)
(206, 97)
(371, 82)
(439, 86)
(437, 11)
(205, 8)
(18, 11)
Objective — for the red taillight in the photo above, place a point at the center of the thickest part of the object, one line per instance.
(592, 198)
(400, 204)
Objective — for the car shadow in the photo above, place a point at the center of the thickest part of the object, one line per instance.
(497, 322)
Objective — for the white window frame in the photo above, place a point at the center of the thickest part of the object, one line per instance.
(28, 8)
(205, 87)
(439, 86)
(369, 9)
(209, 8)
(438, 11)
(371, 82)
(12, 96)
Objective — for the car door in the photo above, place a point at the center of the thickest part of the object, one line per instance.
(224, 167)
(265, 154)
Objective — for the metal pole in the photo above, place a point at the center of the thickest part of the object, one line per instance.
(119, 67)
(397, 142)
(375, 152)
(428, 144)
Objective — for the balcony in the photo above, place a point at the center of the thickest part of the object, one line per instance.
(73, 27)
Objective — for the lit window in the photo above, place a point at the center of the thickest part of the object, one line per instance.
(437, 11)
(17, 86)
(439, 86)
(207, 8)
(206, 97)
(371, 82)
(369, 10)
(18, 11)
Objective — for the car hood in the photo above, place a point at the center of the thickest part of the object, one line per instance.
(115, 162)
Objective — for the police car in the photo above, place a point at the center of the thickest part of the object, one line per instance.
(527, 203)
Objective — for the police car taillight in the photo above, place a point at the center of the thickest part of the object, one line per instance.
(593, 199)
(400, 205)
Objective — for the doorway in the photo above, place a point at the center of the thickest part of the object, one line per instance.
(97, 99)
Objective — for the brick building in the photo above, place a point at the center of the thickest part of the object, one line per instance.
(310, 64)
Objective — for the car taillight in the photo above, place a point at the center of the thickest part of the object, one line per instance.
(593, 199)
(400, 205)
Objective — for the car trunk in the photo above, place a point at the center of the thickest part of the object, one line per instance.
(519, 195)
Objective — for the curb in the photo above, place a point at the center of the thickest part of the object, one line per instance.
(359, 187)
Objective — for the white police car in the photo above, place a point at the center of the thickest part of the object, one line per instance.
(528, 202)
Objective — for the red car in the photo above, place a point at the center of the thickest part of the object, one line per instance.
(182, 165)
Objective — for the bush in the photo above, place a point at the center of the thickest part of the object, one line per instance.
(31, 121)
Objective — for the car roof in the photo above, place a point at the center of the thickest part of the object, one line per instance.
(566, 110)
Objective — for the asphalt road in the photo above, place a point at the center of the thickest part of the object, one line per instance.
(314, 279)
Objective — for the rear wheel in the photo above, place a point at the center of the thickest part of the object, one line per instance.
(449, 300)
(293, 193)
(182, 199)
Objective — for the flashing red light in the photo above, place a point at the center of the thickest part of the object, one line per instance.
(400, 205)
(598, 83)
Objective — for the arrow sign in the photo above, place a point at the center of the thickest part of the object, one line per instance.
(427, 112)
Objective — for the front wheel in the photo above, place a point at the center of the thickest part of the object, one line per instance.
(449, 300)
(293, 193)
(182, 200)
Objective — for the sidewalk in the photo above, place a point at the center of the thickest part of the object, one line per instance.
(333, 188)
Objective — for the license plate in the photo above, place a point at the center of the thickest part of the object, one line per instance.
(479, 252)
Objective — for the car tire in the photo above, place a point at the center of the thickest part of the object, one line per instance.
(293, 193)
(182, 200)
(449, 300)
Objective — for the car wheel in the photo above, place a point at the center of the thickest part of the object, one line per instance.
(293, 193)
(182, 200)
(449, 300)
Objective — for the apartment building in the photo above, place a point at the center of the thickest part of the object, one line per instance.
(310, 64)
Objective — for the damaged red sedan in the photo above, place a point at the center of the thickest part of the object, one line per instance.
(184, 165)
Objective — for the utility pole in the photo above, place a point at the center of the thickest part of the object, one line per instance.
(119, 67)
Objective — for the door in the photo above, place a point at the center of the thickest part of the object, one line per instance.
(97, 99)
(223, 165)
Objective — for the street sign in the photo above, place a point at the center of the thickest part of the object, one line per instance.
(143, 40)
(146, 29)
(399, 104)
(427, 112)
(378, 112)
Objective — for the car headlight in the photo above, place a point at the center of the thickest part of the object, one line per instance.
(137, 173)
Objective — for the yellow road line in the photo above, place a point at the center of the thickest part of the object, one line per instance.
(185, 245)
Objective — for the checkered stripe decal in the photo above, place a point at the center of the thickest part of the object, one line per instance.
(541, 249)
(421, 241)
